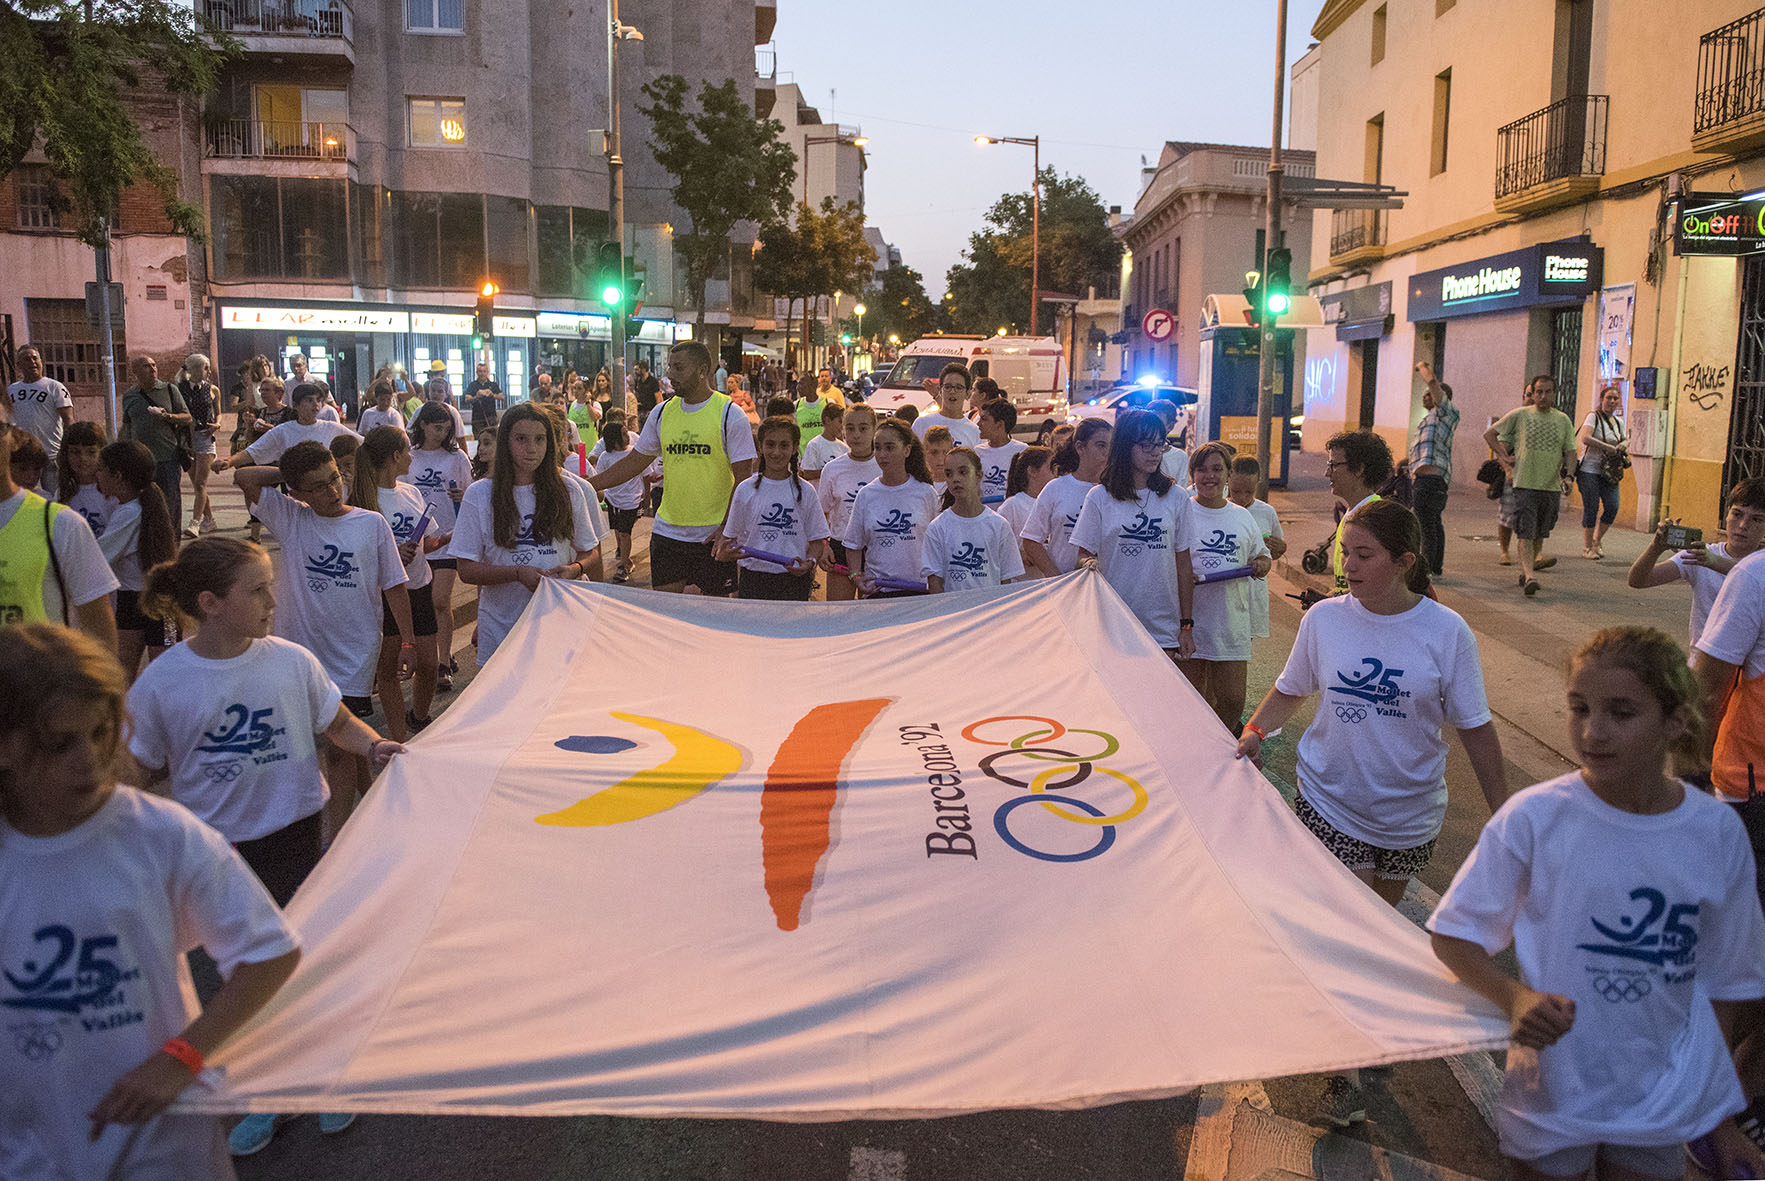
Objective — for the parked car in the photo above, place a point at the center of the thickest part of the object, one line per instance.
(1138, 395)
(1030, 370)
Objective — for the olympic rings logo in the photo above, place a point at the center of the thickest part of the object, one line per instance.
(1622, 988)
(1044, 785)
(224, 772)
(36, 1042)
(1353, 714)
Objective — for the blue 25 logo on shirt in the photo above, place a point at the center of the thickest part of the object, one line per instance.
(1217, 551)
(970, 558)
(899, 523)
(331, 567)
(777, 519)
(1672, 944)
(429, 478)
(403, 525)
(53, 979)
(1142, 533)
(1377, 687)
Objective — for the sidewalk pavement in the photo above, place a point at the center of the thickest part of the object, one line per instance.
(1525, 642)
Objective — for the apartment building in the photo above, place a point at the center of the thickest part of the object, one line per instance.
(1583, 180)
(1193, 234)
(366, 165)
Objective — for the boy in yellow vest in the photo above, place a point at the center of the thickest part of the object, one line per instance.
(706, 447)
(51, 569)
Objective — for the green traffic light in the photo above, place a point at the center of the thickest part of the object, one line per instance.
(612, 295)
(477, 344)
(1279, 302)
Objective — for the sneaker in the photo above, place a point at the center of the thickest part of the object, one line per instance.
(1544, 563)
(444, 679)
(621, 575)
(1530, 586)
(208, 525)
(335, 1122)
(1343, 1103)
(1590, 555)
(191, 530)
(252, 1134)
(416, 725)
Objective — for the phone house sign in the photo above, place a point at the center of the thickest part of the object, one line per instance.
(1551, 272)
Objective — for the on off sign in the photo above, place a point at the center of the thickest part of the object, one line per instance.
(1158, 324)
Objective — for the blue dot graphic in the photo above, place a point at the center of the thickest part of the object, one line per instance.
(594, 744)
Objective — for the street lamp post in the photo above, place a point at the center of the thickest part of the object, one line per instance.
(617, 32)
(855, 141)
(1035, 143)
(858, 310)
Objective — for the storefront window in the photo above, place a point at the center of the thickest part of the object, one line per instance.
(552, 223)
(510, 256)
(312, 213)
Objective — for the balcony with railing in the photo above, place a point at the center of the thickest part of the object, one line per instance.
(1728, 108)
(260, 139)
(1357, 235)
(309, 28)
(1552, 157)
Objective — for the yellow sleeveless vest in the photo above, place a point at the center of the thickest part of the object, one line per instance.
(24, 559)
(697, 480)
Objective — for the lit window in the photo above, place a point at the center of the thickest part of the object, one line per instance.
(435, 16)
(438, 122)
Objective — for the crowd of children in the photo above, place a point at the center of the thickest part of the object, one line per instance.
(261, 744)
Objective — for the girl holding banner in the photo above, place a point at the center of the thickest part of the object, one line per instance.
(381, 460)
(775, 525)
(1224, 541)
(890, 515)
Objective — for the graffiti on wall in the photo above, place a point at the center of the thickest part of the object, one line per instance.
(1706, 385)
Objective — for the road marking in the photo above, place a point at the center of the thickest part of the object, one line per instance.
(877, 1164)
(1210, 1136)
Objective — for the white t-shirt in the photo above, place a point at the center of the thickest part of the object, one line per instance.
(328, 585)
(738, 444)
(597, 518)
(499, 606)
(373, 416)
(1175, 464)
(328, 413)
(1270, 523)
(1217, 539)
(889, 525)
(403, 506)
(121, 545)
(1054, 516)
(97, 507)
(995, 469)
(1705, 584)
(1016, 510)
(1373, 762)
(820, 451)
(1641, 921)
(1734, 632)
(628, 495)
(963, 433)
(104, 915)
(1136, 542)
(780, 517)
(969, 553)
(37, 407)
(436, 474)
(1606, 430)
(88, 575)
(452, 412)
(282, 436)
(237, 735)
(838, 488)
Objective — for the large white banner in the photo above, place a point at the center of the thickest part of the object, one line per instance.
(672, 856)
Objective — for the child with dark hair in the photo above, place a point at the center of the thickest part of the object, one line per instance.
(624, 501)
(997, 448)
(1048, 550)
(890, 514)
(828, 445)
(138, 537)
(77, 465)
(306, 402)
(968, 546)
(778, 512)
(340, 573)
(838, 492)
(1030, 472)
(1221, 538)
(30, 462)
(1704, 566)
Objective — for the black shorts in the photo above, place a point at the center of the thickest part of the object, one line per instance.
(129, 618)
(282, 859)
(444, 563)
(361, 707)
(1535, 512)
(689, 563)
(757, 584)
(838, 550)
(422, 613)
(622, 520)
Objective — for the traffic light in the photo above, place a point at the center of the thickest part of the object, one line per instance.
(484, 317)
(1277, 283)
(609, 275)
(1253, 297)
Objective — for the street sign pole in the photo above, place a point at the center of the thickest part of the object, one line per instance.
(101, 256)
(616, 199)
(1265, 385)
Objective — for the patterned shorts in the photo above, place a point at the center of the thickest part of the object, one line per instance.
(1393, 865)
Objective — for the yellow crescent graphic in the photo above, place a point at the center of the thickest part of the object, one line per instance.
(699, 760)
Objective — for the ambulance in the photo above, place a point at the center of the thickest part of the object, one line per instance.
(1030, 370)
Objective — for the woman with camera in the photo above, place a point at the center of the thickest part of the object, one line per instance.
(1604, 456)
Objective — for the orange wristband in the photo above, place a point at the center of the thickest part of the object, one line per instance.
(184, 1052)
(1257, 730)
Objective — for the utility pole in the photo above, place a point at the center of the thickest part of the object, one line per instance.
(1265, 385)
(616, 195)
(101, 255)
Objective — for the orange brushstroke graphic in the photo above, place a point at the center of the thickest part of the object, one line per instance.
(796, 806)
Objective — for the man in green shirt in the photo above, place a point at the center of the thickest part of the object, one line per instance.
(1536, 446)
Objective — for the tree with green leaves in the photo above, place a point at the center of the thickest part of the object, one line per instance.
(824, 251)
(992, 288)
(70, 69)
(899, 305)
(727, 166)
